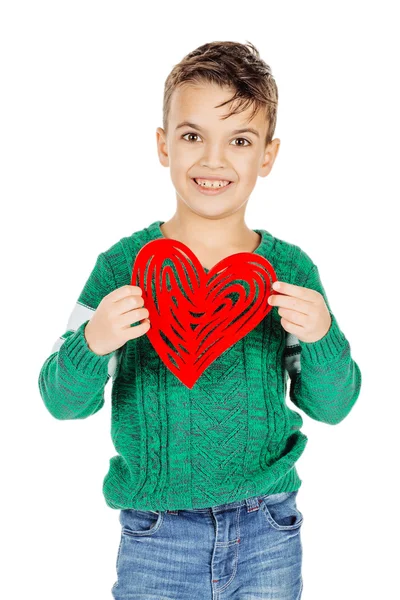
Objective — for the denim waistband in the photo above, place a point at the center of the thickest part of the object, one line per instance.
(252, 504)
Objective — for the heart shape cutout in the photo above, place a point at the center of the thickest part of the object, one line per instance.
(193, 318)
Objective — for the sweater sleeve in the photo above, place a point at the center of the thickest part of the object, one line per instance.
(72, 379)
(325, 380)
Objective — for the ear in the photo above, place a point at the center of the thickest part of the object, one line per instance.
(270, 154)
(162, 146)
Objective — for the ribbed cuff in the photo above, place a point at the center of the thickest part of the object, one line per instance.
(82, 357)
(327, 348)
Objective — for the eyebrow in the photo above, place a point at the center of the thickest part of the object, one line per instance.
(194, 126)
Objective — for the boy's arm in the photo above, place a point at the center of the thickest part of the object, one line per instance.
(72, 379)
(325, 380)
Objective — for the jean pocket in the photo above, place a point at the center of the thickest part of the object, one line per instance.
(140, 522)
(281, 512)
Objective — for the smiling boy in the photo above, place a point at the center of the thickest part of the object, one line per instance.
(199, 143)
(205, 478)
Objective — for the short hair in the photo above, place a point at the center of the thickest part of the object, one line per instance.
(228, 64)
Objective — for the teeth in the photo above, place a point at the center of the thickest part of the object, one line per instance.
(211, 183)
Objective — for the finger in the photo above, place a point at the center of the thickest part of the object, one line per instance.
(294, 290)
(129, 303)
(124, 291)
(135, 315)
(290, 327)
(293, 316)
(290, 302)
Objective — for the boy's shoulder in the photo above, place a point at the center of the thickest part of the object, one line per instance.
(132, 242)
(295, 259)
(118, 258)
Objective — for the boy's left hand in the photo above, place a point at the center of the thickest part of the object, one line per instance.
(304, 311)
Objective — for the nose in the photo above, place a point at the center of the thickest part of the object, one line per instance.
(213, 157)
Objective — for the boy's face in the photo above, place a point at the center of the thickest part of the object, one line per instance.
(214, 150)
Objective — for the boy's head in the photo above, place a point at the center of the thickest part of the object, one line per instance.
(206, 80)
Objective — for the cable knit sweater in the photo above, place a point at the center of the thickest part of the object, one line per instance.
(232, 435)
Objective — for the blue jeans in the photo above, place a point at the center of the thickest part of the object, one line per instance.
(246, 550)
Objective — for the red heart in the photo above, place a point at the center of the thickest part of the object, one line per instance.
(177, 300)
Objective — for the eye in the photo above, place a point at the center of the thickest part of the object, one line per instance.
(196, 134)
(249, 143)
(190, 133)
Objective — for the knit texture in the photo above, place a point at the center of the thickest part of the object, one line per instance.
(232, 435)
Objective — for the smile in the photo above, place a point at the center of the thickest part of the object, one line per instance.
(212, 191)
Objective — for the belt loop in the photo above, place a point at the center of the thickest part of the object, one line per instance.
(253, 504)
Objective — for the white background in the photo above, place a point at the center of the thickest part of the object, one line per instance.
(82, 86)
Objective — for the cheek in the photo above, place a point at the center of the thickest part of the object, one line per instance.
(247, 166)
(181, 161)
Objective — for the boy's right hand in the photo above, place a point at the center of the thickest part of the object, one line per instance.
(109, 328)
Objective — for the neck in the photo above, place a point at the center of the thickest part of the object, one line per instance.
(212, 234)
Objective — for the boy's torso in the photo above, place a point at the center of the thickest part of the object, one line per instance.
(194, 447)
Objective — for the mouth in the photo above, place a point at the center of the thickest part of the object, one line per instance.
(209, 191)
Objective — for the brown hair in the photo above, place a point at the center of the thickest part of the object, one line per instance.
(232, 64)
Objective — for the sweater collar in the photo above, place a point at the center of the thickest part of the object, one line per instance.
(263, 249)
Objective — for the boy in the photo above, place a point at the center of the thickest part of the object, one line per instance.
(205, 477)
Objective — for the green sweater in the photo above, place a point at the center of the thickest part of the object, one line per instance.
(232, 435)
